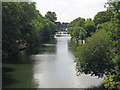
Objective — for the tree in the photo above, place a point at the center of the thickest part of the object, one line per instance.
(82, 34)
(80, 22)
(76, 32)
(112, 81)
(113, 5)
(10, 30)
(94, 54)
(102, 17)
(75, 24)
(89, 27)
(51, 16)
(23, 25)
(70, 31)
(79, 33)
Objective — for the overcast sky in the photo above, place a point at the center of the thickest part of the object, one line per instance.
(67, 10)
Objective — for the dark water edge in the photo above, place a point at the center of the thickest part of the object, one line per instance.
(17, 62)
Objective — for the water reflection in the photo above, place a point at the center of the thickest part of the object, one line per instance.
(18, 76)
(49, 47)
(57, 70)
(21, 74)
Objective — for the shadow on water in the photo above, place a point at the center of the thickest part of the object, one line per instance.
(19, 72)
(49, 47)
(97, 88)
(42, 49)
(6, 78)
(18, 76)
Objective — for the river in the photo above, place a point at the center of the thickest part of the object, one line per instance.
(48, 66)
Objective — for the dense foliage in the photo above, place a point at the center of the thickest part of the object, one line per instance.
(81, 28)
(51, 16)
(113, 79)
(94, 54)
(79, 33)
(89, 27)
(22, 26)
(73, 27)
(102, 17)
(100, 55)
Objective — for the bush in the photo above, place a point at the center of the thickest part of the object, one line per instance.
(93, 57)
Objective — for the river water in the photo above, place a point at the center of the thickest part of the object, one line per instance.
(50, 66)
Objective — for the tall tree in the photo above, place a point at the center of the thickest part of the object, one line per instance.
(51, 16)
(113, 5)
(89, 27)
(102, 17)
(23, 24)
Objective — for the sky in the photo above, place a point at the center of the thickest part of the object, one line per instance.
(68, 10)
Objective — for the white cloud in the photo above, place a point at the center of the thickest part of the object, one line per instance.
(67, 10)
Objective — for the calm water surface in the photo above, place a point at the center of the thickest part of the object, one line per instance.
(51, 66)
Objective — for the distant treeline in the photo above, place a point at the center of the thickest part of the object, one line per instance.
(24, 26)
(61, 26)
(100, 54)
